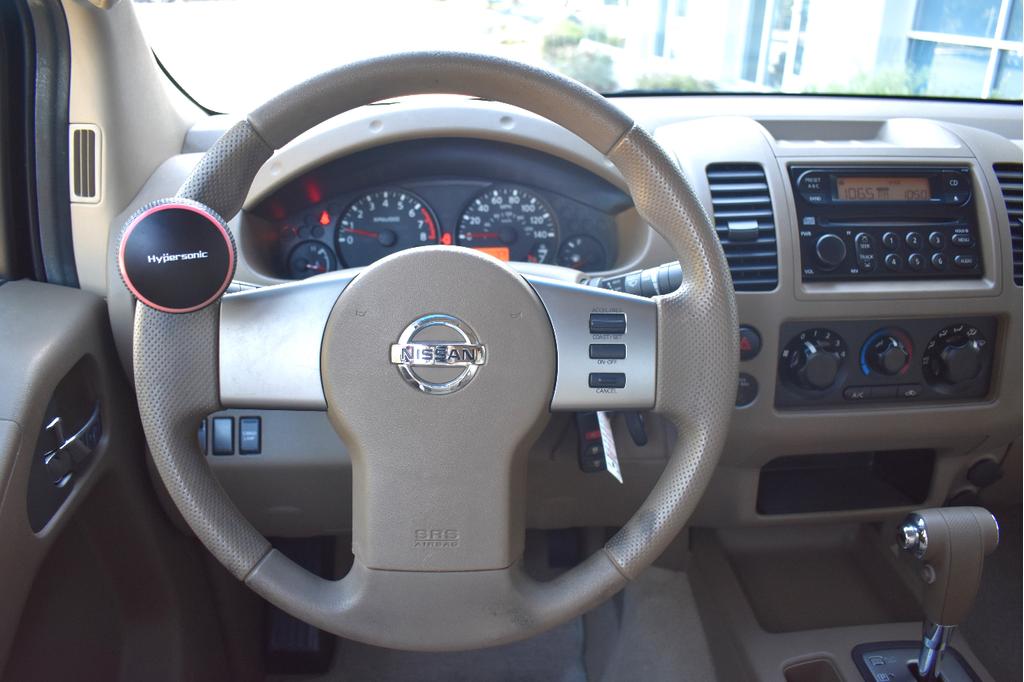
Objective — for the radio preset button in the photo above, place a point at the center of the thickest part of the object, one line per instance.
(937, 240)
(893, 261)
(914, 240)
(939, 261)
(891, 240)
(915, 261)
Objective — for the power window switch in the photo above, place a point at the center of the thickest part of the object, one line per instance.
(248, 435)
(607, 323)
(223, 436)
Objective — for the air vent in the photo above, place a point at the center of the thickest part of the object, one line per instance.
(1011, 179)
(745, 224)
(85, 163)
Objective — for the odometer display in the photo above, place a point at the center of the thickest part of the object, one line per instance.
(383, 222)
(510, 222)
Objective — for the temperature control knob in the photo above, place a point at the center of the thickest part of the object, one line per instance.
(887, 353)
(831, 251)
(955, 356)
(813, 359)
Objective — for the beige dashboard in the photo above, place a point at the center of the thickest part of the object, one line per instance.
(292, 487)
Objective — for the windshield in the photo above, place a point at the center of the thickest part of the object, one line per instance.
(230, 55)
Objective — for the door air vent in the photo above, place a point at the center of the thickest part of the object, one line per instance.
(745, 224)
(1011, 180)
(85, 163)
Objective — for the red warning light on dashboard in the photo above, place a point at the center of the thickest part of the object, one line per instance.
(325, 218)
(499, 252)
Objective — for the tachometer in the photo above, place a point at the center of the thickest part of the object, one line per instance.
(510, 223)
(383, 222)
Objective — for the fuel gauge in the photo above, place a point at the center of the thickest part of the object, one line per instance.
(581, 252)
(310, 258)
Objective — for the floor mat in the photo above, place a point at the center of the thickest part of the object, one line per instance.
(555, 656)
(660, 635)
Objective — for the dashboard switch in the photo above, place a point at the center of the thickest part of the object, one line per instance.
(750, 342)
(607, 380)
(249, 435)
(608, 351)
(607, 323)
(223, 436)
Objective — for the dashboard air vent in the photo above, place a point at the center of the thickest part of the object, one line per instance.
(85, 163)
(745, 224)
(1011, 179)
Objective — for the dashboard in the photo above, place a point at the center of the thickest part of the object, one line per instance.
(875, 250)
(511, 202)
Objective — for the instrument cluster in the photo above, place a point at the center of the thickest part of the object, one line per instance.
(321, 223)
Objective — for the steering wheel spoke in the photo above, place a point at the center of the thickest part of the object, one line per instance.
(606, 343)
(270, 342)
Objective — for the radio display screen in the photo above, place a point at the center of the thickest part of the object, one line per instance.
(862, 188)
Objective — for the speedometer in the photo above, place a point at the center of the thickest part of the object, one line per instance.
(511, 223)
(383, 222)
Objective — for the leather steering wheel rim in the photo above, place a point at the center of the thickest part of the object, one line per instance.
(176, 369)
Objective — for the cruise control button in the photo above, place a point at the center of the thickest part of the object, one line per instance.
(910, 391)
(937, 240)
(607, 323)
(939, 261)
(856, 393)
(607, 380)
(607, 351)
(965, 261)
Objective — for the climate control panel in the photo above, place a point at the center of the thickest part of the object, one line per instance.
(862, 362)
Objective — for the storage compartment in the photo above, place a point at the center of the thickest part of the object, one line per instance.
(841, 482)
(815, 577)
(817, 670)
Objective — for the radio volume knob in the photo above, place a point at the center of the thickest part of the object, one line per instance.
(831, 251)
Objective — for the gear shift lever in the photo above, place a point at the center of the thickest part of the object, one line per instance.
(951, 544)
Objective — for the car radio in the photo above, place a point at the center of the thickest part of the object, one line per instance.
(886, 222)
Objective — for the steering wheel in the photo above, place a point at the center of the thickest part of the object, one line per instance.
(438, 366)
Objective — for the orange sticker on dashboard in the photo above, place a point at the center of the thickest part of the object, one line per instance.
(499, 252)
